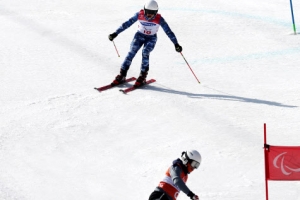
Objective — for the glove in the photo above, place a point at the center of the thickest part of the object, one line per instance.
(178, 48)
(112, 36)
(193, 196)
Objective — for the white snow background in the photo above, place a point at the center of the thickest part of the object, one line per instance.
(61, 139)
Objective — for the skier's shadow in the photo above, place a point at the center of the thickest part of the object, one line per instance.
(218, 97)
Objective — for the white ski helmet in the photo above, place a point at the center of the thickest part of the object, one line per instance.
(191, 156)
(151, 7)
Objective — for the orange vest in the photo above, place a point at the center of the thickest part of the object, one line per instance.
(168, 185)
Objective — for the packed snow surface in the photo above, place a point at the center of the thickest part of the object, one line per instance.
(61, 139)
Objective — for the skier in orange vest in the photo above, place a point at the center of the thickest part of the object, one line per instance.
(176, 177)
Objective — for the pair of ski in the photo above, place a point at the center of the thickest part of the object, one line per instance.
(129, 89)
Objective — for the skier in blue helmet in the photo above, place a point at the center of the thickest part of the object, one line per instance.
(149, 22)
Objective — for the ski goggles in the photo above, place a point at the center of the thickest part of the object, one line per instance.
(195, 164)
(152, 12)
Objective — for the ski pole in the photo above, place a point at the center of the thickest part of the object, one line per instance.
(190, 68)
(116, 49)
(294, 26)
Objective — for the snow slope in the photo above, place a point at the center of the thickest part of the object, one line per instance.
(61, 139)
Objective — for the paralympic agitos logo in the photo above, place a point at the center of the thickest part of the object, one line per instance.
(284, 162)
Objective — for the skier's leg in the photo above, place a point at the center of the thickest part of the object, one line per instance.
(157, 195)
(148, 47)
(135, 45)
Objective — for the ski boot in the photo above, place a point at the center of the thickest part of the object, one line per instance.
(120, 78)
(141, 79)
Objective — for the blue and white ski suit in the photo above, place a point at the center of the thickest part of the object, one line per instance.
(146, 35)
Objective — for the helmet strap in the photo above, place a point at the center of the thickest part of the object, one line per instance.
(185, 157)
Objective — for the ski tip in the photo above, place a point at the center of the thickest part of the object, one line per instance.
(123, 91)
(151, 81)
(132, 78)
(98, 89)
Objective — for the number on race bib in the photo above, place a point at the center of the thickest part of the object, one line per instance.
(147, 32)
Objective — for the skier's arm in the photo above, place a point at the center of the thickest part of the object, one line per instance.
(168, 30)
(175, 172)
(127, 24)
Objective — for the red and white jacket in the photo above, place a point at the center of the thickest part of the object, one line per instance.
(148, 27)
